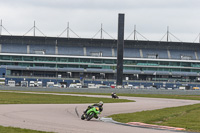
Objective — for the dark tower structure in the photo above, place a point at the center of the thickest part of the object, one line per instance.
(120, 49)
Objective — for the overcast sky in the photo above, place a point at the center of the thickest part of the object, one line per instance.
(151, 17)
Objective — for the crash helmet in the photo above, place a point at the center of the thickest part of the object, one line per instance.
(101, 103)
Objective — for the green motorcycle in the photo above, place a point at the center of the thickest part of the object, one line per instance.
(93, 112)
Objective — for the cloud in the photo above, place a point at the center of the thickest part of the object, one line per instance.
(85, 16)
(103, 4)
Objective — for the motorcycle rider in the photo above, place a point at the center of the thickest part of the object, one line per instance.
(100, 105)
(114, 95)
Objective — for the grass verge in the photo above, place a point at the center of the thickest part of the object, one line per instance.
(170, 96)
(23, 98)
(18, 130)
(186, 97)
(187, 117)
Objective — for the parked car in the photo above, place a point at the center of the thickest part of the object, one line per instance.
(151, 88)
(113, 86)
(162, 88)
(102, 86)
(195, 88)
(75, 85)
(128, 86)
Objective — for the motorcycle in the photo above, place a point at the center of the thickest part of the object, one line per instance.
(93, 112)
(114, 95)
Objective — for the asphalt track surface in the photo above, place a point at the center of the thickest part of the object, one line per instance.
(63, 118)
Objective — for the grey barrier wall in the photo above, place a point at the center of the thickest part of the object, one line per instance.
(103, 90)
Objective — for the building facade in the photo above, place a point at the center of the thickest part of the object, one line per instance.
(25, 56)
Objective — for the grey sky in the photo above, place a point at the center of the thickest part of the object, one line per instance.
(85, 17)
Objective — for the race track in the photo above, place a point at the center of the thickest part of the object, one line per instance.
(62, 118)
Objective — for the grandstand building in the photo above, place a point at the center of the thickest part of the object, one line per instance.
(52, 57)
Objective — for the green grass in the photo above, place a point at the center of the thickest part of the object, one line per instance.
(170, 96)
(22, 98)
(18, 130)
(187, 97)
(187, 117)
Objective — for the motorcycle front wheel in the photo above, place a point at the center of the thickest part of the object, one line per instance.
(83, 117)
(90, 116)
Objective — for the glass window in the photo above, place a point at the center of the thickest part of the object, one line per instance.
(96, 61)
(128, 68)
(16, 58)
(129, 62)
(196, 70)
(186, 64)
(50, 65)
(85, 60)
(185, 70)
(108, 61)
(163, 63)
(39, 65)
(50, 59)
(27, 58)
(152, 63)
(5, 57)
(105, 67)
(163, 69)
(77, 60)
(73, 66)
(195, 65)
(62, 59)
(24, 64)
(40, 59)
(175, 70)
(174, 63)
(152, 69)
(61, 66)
